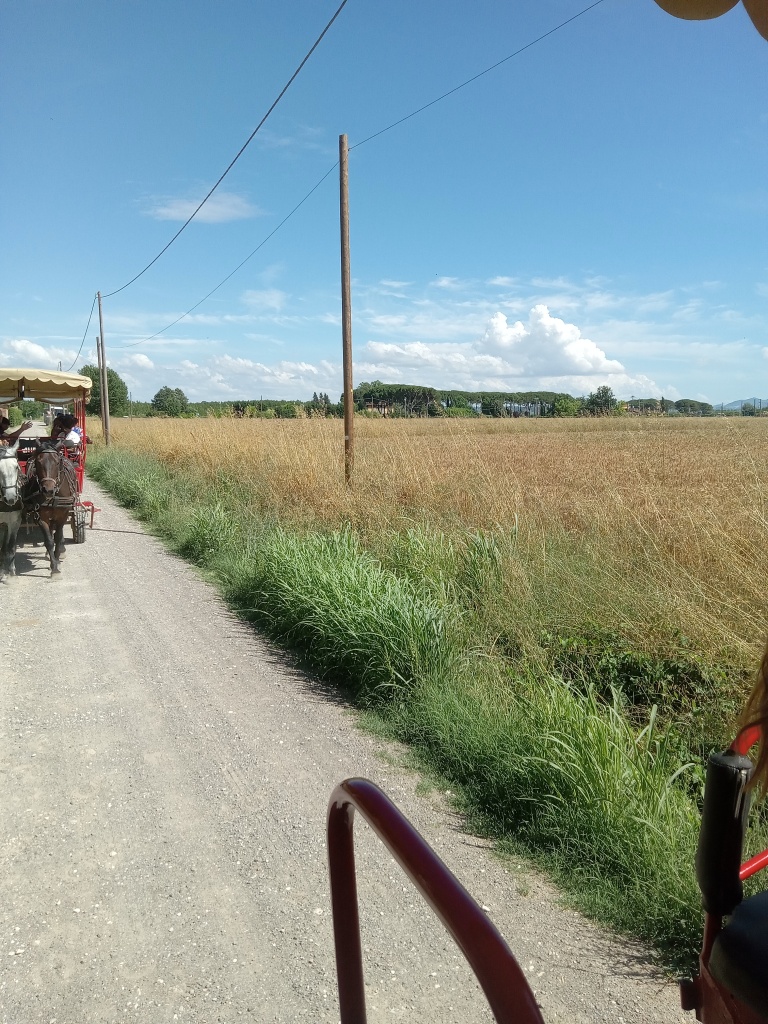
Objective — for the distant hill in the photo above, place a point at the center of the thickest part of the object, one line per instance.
(761, 403)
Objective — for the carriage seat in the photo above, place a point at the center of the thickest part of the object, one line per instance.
(739, 960)
(72, 451)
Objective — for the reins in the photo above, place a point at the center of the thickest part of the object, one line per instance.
(39, 499)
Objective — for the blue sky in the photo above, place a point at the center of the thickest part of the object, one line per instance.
(593, 211)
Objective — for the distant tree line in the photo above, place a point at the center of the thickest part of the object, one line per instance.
(415, 400)
(375, 398)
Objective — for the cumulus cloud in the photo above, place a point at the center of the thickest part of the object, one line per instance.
(141, 361)
(546, 345)
(537, 352)
(543, 353)
(221, 208)
(20, 352)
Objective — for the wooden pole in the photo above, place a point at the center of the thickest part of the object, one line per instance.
(104, 382)
(346, 312)
(101, 379)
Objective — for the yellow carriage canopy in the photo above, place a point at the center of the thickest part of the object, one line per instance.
(51, 386)
(702, 10)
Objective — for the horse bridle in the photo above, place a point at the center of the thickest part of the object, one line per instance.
(43, 479)
(15, 486)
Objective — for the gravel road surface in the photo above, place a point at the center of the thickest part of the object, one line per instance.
(165, 781)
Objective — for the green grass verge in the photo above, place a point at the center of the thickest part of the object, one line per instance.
(543, 754)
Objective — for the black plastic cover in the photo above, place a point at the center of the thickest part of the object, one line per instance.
(723, 823)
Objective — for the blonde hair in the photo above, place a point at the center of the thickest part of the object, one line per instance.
(755, 714)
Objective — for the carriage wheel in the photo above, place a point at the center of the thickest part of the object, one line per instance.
(78, 526)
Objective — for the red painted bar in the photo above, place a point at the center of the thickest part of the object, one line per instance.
(743, 743)
(753, 865)
(496, 969)
(746, 739)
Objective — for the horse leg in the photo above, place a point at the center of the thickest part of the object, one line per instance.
(4, 532)
(49, 546)
(11, 540)
(60, 549)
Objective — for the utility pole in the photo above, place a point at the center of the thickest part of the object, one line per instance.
(346, 311)
(101, 379)
(104, 383)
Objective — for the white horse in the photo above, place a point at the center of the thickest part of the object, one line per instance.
(10, 508)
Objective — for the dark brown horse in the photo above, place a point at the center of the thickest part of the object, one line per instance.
(50, 494)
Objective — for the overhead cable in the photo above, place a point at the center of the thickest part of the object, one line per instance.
(357, 145)
(85, 334)
(480, 74)
(236, 158)
(264, 241)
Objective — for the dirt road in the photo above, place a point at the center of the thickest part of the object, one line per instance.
(165, 780)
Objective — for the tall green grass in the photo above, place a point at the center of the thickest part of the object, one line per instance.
(543, 756)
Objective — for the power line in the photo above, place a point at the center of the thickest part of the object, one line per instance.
(237, 157)
(394, 124)
(85, 334)
(263, 242)
(480, 74)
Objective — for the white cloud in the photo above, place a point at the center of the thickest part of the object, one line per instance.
(286, 379)
(500, 333)
(547, 345)
(141, 361)
(230, 378)
(20, 352)
(305, 137)
(272, 299)
(221, 208)
(544, 353)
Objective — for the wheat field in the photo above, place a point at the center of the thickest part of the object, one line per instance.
(654, 527)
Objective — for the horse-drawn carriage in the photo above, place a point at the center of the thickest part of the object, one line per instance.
(49, 483)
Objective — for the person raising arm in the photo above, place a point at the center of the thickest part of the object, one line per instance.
(9, 437)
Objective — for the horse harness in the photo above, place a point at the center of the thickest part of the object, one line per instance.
(37, 499)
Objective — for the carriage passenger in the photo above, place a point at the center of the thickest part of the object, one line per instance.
(57, 427)
(9, 437)
(65, 429)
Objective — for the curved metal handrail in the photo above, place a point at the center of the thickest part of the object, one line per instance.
(499, 974)
(743, 743)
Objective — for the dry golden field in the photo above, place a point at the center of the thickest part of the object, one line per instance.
(654, 527)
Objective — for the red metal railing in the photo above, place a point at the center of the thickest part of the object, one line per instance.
(746, 739)
(743, 743)
(496, 969)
